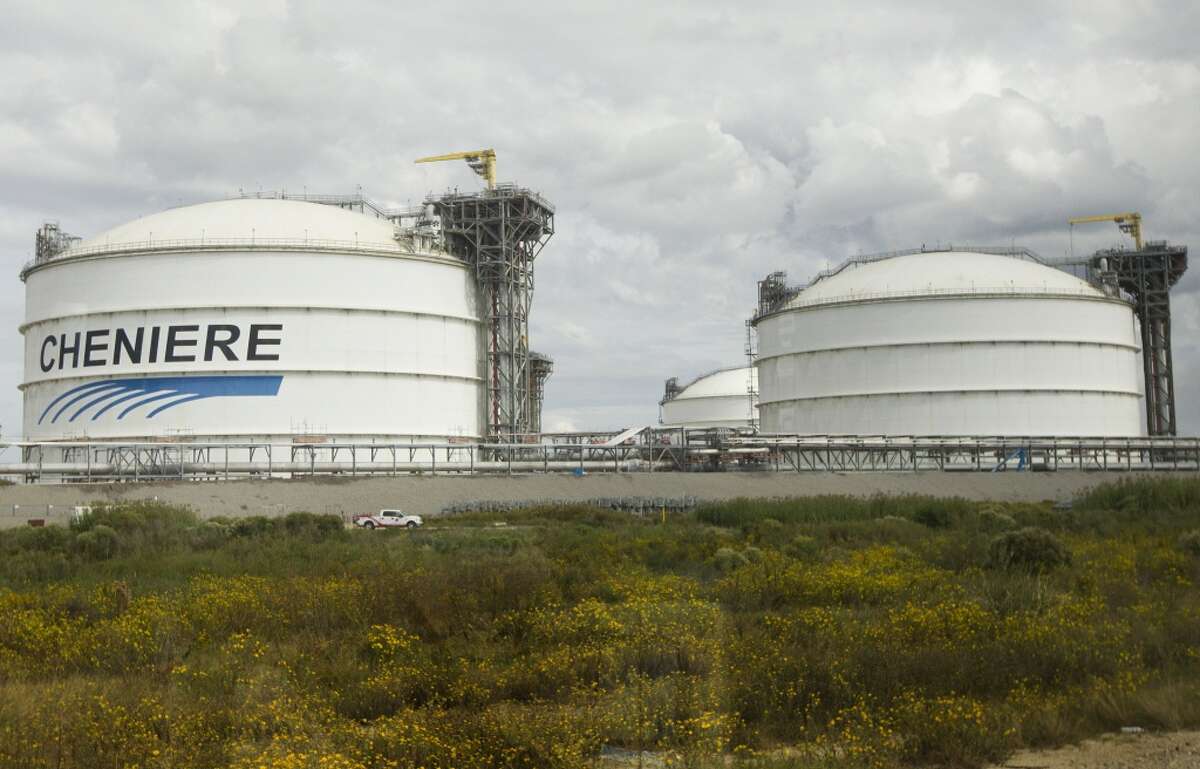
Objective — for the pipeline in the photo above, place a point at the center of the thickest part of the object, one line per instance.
(102, 470)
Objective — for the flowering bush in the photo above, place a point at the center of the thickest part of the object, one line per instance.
(823, 635)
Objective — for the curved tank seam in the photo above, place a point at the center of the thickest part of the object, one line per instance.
(218, 372)
(941, 343)
(205, 308)
(956, 391)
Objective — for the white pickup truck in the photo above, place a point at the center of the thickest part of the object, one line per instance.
(388, 519)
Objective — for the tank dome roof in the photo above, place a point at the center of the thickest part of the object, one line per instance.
(247, 218)
(722, 383)
(940, 272)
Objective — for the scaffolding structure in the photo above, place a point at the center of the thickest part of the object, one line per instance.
(1146, 276)
(540, 368)
(500, 232)
(773, 292)
(50, 241)
(671, 390)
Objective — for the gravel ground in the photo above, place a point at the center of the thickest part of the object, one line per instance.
(1175, 750)
(429, 495)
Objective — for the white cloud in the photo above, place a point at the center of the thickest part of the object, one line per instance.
(689, 152)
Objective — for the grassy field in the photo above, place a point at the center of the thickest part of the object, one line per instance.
(819, 632)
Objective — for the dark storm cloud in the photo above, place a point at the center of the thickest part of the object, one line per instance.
(690, 147)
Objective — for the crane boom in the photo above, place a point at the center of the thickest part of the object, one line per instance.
(482, 162)
(1130, 223)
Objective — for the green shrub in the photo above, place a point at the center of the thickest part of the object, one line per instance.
(310, 525)
(144, 525)
(994, 520)
(44, 539)
(252, 526)
(209, 535)
(768, 531)
(31, 567)
(1029, 550)
(832, 509)
(803, 547)
(841, 631)
(1144, 494)
(1190, 543)
(727, 559)
(934, 513)
(99, 543)
(746, 512)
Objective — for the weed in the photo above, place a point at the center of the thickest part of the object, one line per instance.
(1031, 550)
(832, 632)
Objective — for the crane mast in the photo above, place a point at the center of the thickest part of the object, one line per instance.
(1129, 223)
(482, 162)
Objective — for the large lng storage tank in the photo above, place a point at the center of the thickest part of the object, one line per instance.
(948, 343)
(723, 398)
(255, 319)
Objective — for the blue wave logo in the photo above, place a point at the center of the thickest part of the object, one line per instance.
(157, 393)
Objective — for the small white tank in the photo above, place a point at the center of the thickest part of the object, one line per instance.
(718, 399)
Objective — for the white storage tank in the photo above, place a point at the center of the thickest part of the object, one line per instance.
(722, 398)
(950, 343)
(251, 319)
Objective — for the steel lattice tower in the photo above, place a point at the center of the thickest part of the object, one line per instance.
(1147, 276)
(500, 232)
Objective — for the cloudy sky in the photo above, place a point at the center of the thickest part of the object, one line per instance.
(690, 147)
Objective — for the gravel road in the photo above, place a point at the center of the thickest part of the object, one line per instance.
(427, 495)
(1174, 750)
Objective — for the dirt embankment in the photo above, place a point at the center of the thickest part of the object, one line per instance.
(429, 495)
(1175, 750)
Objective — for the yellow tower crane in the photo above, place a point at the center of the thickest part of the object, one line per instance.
(1130, 223)
(482, 162)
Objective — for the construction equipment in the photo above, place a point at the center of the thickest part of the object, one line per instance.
(1145, 276)
(482, 162)
(1130, 223)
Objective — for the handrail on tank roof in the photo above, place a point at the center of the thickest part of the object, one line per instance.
(973, 291)
(1013, 251)
(250, 242)
(353, 199)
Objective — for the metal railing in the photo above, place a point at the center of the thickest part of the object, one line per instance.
(789, 293)
(651, 451)
(1015, 251)
(974, 292)
(173, 244)
(339, 200)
